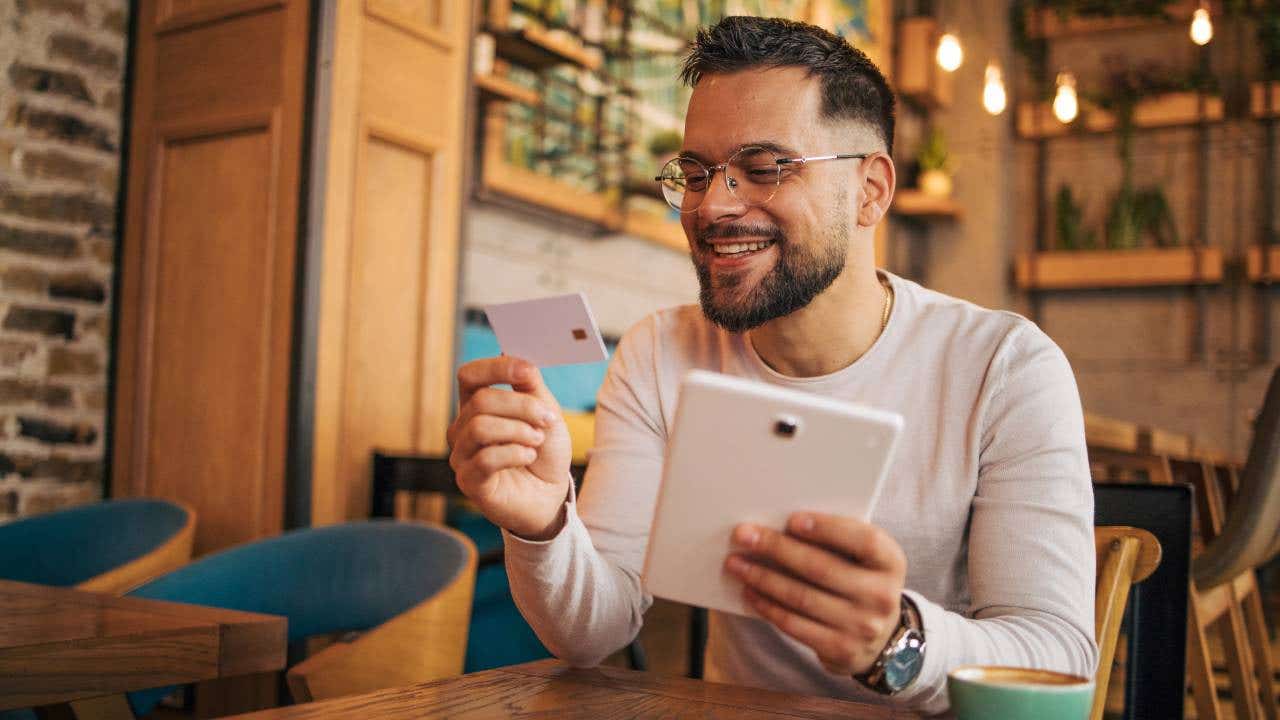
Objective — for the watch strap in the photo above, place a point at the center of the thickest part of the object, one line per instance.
(909, 621)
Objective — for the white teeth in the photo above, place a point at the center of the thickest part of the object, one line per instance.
(735, 248)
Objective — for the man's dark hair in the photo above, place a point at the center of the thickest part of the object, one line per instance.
(852, 86)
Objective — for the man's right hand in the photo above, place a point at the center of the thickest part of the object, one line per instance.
(511, 448)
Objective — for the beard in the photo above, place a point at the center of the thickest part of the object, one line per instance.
(800, 274)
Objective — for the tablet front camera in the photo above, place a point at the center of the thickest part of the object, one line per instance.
(786, 427)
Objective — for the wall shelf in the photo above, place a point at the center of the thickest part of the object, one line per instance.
(1166, 110)
(1036, 120)
(537, 48)
(1258, 92)
(1047, 23)
(534, 46)
(1253, 264)
(910, 202)
(549, 193)
(1094, 269)
(501, 88)
(498, 175)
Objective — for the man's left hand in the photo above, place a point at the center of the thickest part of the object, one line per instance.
(832, 583)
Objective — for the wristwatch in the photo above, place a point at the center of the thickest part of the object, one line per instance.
(900, 662)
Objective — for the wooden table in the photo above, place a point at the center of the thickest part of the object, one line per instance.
(548, 688)
(59, 644)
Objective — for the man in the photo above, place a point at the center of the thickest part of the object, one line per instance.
(980, 549)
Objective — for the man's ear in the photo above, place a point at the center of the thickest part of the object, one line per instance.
(877, 189)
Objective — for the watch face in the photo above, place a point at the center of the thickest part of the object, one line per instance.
(903, 667)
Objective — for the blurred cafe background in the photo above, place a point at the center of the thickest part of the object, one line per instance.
(245, 244)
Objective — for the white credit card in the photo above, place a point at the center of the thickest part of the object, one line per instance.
(548, 331)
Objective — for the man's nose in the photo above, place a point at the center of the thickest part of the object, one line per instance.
(718, 202)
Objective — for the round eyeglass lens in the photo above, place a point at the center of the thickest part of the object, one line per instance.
(683, 180)
(753, 175)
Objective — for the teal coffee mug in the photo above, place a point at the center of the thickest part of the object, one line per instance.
(984, 692)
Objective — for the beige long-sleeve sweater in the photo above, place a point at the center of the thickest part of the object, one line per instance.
(989, 496)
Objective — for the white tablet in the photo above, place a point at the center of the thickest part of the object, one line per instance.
(743, 451)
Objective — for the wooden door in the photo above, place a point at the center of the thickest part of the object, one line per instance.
(208, 260)
(393, 193)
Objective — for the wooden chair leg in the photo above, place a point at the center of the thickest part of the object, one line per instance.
(1239, 656)
(1200, 666)
(1256, 625)
(232, 696)
(1159, 471)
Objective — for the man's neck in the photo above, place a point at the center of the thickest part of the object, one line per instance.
(828, 334)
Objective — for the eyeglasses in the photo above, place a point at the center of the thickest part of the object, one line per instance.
(753, 174)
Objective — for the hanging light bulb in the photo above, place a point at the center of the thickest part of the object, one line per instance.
(994, 98)
(1201, 25)
(1065, 104)
(950, 54)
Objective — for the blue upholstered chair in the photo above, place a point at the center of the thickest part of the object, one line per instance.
(104, 547)
(499, 634)
(409, 585)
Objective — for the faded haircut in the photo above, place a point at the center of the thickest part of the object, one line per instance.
(853, 88)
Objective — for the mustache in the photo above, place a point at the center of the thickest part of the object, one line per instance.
(736, 230)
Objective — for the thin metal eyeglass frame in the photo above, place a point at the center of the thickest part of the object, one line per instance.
(711, 171)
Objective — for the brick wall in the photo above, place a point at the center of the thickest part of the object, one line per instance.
(61, 83)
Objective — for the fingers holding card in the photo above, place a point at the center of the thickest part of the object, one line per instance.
(510, 447)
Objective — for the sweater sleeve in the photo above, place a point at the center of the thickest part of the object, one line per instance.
(580, 591)
(1031, 551)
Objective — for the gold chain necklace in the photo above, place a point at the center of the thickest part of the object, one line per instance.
(888, 305)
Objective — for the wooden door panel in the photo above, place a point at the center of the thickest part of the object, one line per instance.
(385, 312)
(205, 339)
(224, 68)
(213, 246)
(393, 201)
(417, 14)
(174, 15)
(396, 90)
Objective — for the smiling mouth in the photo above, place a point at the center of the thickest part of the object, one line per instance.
(739, 249)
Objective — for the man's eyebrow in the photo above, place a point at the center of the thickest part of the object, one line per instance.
(771, 146)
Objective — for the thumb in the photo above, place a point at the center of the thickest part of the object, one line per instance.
(526, 378)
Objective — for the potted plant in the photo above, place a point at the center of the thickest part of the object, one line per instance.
(1136, 211)
(1055, 16)
(935, 165)
(1069, 217)
(664, 144)
(1265, 93)
(1032, 21)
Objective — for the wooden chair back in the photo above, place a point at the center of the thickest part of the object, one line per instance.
(1126, 556)
(426, 642)
(170, 555)
(106, 547)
